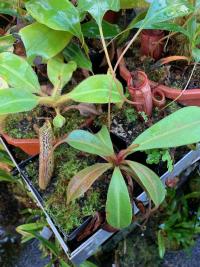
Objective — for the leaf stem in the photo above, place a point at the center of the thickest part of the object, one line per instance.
(127, 47)
(111, 70)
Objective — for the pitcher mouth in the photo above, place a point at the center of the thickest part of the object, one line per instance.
(137, 80)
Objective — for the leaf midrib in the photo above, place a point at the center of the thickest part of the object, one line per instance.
(22, 80)
(165, 134)
(157, 13)
(144, 173)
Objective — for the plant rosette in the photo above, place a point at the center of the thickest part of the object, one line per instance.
(178, 129)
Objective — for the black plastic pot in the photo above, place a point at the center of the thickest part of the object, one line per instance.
(79, 252)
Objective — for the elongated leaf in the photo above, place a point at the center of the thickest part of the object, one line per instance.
(6, 43)
(128, 4)
(24, 228)
(60, 73)
(73, 52)
(49, 245)
(161, 244)
(40, 40)
(178, 129)
(63, 264)
(14, 100)
(118, 204)
(196, 54)
(164, 10)
(168, 26)
(149, 181)
(104, 136)
(4, 158)
(83, 180)
(91, 30)
(58, 15)
(95, 89)
(191, 28)
(98, 8)
(88, 264)
(97, 144)
(6, 177)
(18, 73)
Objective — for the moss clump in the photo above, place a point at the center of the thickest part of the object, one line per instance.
(21, 125)
(130, 114)
(138, 250)
(68, 162)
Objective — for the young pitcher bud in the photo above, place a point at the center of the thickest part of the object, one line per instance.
(58, 121)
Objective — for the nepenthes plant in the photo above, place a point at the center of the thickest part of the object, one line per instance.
(178, 129)
(25, 92)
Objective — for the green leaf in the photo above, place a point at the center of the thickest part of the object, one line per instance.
(104, 136)
(18, 73)
(24, 229)
(161, 244)
(118, 204)
(83, 180)
(8, 7)
(58, 15)
(60, 73)
(91, 30)
(168, 26)
(13, 100)
(160, 11)
(96, 89)
(73, 52)
(40, 40)
(49, 245)
(88, 264)
(98, 8)
(197, 4)
(4, 158)
(178, 129)
(149, 181)
(196, 54)
(191, 28)
(63, 264)
(128, 4)
(97, 144)
(6, 43)
(6, 177)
